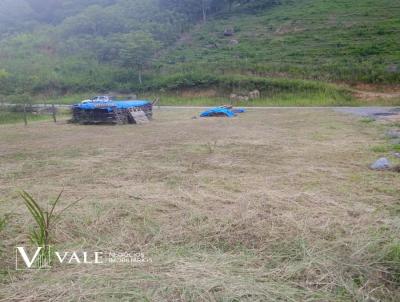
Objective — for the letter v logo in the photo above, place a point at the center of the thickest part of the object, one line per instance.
(25, 257)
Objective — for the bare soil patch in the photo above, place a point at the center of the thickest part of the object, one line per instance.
(370, 92)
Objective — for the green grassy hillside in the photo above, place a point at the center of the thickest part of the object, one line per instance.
(153, 45)
(343, 40)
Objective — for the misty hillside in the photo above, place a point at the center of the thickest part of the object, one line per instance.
(71, 45)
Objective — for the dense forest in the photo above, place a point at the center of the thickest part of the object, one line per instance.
(62, 46)
(49, 45)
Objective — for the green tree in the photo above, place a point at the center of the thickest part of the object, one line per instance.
(230, 4)
(205, 6)
(191, 9)
(136, 51)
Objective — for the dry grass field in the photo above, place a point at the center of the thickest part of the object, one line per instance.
(274, 205)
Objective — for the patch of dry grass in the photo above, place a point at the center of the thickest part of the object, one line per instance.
(272, 205)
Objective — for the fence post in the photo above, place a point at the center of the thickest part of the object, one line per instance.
(53, 110)
(25, 118)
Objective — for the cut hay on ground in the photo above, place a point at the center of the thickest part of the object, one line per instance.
(275, 205)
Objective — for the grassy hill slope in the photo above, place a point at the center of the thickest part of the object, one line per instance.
(344, 40)
(288, 47)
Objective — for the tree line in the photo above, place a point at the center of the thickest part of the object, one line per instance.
(65, 45)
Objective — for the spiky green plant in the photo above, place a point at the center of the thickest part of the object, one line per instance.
(44, 219)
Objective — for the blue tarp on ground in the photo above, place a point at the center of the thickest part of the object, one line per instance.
(220, 111)
(112, 105)
(239, 110)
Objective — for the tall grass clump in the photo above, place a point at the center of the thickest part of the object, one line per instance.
(234, 82)
(226, 84)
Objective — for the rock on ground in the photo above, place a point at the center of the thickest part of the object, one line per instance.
(381, 164)
(393, 133)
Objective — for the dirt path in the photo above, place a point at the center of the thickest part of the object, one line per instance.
(370, 95)
(370, 92)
